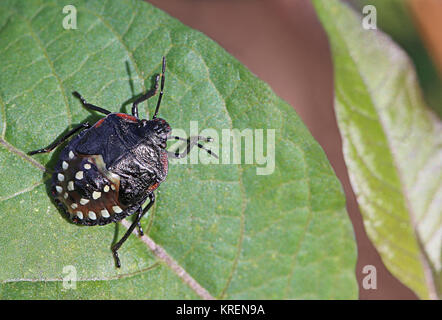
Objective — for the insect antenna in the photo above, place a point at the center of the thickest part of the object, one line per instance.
(161, 89)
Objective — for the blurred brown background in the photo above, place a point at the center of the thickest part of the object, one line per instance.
(283, 43)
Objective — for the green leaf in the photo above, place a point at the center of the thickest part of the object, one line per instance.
(392, 146)
(236, 233)
(395, 18)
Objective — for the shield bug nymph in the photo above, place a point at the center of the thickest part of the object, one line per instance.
(110, 169)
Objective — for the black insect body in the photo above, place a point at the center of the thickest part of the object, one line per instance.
(109, 170)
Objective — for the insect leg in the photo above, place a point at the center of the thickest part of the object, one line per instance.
(163, 79)
(199, 138)
(140, 214)
(140, 229)
(192, 141)
(88, 105)
(56, 143)
(145, 96)
(151, 93)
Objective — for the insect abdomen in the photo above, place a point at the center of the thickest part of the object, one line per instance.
(87, 190)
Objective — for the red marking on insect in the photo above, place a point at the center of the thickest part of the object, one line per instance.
(153, 187)
(99, 122)
(165, 161)
(127, 116)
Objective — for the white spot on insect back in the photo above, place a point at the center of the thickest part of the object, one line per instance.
(80, 215)
(113, 187)
(79, 175)
(83, 201)
(71, 185)
(117, 209)
(65, 165)
(87, 166)
(92, 215)
(60, 177)
(74, 206)
(59, 189)
(65, 195)
(105, 213)
(106, 188)
(96, 195)
(71, 155)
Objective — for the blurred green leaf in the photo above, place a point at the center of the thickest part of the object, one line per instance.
(395, 19)
(392, 146)
(239, 234)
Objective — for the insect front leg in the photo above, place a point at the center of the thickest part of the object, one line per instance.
(145, 96)
(56, 143)
(88, 105)
(152, 92)
(140, 214)
(191, 142)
